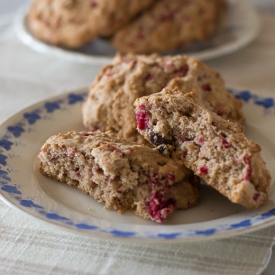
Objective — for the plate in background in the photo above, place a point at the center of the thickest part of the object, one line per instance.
(239, 27)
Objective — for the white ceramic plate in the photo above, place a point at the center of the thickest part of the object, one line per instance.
(238, 28)
(23, 187)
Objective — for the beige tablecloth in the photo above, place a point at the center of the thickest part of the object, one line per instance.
(30, 247)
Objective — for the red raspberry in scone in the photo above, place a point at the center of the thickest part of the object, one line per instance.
(153, 183)
(109, 105)
(213, 148)
(169, 25)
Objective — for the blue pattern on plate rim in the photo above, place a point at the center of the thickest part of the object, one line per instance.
(246, 96)
(14, 132)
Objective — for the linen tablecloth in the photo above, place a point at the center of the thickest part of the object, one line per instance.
(30, 247)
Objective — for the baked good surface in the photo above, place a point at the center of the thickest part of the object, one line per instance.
(153, 183)
(73, 23)
(169, 25)
(214, 149)
(109, 105)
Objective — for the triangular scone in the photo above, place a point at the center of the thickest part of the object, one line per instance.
(109, 105)
(215, 149)
(152, 183)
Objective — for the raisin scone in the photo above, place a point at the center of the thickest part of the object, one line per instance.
(213, 148)
(109, 105)
(73, 23)
(169, 25)
(153, 183)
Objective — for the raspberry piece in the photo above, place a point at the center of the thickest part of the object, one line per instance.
(47, 23)
(153, 181)
(182, 71)
(160, 208)
(203, 170)
(219, 112)
(249, 169)
(149, 77)
(133, 64)
(256, 196)
(167, 16)
(184, 154)
(201, 140)
(141, 118)
(248, 174)
(246, 160)
(170, 66)
(77, 173)
(93, 4)
(226, 144)
(201, 77)
(206, 87)
(113, 149)
(71, 152)
(185, 70)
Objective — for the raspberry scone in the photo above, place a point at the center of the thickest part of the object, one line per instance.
(215, 149)
(169, 25)
(109, 105)
(73, 23)
(152, 183)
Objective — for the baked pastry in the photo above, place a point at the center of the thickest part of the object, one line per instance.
(73, 23)
(213, 148)
(153, 183)
(109, 105)
(169, 25)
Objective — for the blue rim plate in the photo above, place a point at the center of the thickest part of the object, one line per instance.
(24, 188)
(239, 27)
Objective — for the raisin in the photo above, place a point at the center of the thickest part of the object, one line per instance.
(158, 139)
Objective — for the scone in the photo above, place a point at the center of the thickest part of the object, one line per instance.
(73, 23)
(109, 105)
(169, 25)
(213, 148)
(153, 183)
